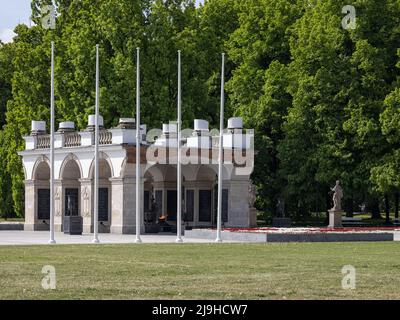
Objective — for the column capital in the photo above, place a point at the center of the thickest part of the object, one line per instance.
(127, 180)
(116, 180)
(29, 183)
(85, 180)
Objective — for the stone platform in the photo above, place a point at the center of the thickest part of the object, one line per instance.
(264, 237)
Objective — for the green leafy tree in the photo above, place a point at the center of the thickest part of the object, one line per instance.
(258, 89)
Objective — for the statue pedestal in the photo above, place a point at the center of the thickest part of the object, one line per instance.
(253, 217)
(335, 218)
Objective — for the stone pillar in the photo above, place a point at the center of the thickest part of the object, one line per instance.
(30, 205)
(32, 222)
(123, 205)
(191, 185)
(58, 206)
(238, 207)
(87, 205)
(160, 186)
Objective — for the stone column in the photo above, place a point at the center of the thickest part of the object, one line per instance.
(30, 206)
(190, 185)
(58, 205)
(87, 205)
(123, 204)
(238, 207)
(160, 186)
(32, 222)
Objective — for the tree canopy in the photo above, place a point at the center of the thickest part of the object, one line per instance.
(324, 100)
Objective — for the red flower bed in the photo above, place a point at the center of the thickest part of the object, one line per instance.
(313, 230)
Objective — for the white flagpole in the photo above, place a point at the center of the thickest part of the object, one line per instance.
(179, 164)
(138, 145)
(96, 154)
(220, 157)
(52, 241)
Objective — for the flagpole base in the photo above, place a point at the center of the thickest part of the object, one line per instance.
(52, 241)
(138, 240)
(96, 241)
(179, 240)
(218, 240)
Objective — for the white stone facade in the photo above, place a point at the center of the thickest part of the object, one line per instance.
(73, 169)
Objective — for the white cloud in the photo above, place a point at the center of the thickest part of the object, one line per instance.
(7, 35)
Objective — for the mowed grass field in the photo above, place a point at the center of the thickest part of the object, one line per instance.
(201, 271)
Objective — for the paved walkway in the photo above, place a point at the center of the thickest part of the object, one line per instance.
(42, 237)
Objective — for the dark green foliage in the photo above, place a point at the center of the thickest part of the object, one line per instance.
(324, 101)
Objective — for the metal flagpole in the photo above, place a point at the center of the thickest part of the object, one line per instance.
(138, 145)
(220, 156)
(96, 153)
(179, 164)
(52, 241)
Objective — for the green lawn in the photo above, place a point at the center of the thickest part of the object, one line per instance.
(227, 271)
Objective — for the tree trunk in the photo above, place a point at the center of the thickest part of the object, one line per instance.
(396, 205)
(373, 207)
(350, 208)
(387, 208)
(328, 199)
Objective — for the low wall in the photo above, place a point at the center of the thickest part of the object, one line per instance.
(11, 226)
(288, 237)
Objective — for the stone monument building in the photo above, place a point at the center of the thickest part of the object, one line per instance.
(74, 175)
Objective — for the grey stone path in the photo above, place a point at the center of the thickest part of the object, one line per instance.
(42, 237)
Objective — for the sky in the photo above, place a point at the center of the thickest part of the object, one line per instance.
(13, 12)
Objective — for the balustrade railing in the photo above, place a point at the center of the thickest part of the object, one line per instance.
(72, 139)
(43, 142)
(105, 137)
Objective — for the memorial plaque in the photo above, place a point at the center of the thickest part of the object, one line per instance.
(225, 193)
(189, 205)
(205, 206)
(103, 204)
(43, 209)
(159, 195)
(171, 204)
(74, 202)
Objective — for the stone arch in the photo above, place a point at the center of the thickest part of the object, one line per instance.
(70, 176)
(128, 169)
(71, 158)
(105, 166)
(226, 170)
(155, 171)
(25, 172)
(41, 179)
(41, 169)
(206, 173)
(166, 172)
